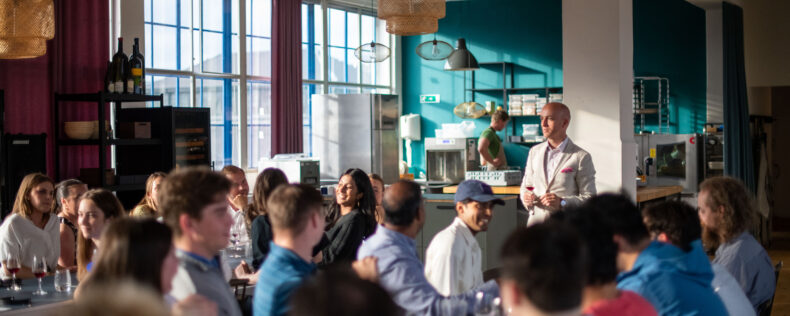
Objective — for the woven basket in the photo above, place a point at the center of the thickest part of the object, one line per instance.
(25, 25)
(425, 8)
(407, 26)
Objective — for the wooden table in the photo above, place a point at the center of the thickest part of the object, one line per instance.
(513, 189)
(656, 192)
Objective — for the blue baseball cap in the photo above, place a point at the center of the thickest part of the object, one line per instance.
(477, 191)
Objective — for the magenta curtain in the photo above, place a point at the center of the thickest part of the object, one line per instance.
(75, 63)
(286, 76)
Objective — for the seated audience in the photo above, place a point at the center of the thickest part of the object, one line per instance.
(148, 205)
(401, 272)
(726, 212)
(265, 183)
(378, 190)
(654, 269)
(677, 223)
(543, 271)
(351, 217)
(140, 250)
(194, 204)
(341, 292)
(98, 207)
(600, 295)
(67, 195)
(297, 220)
(237, 198)
(453, 261)
(31, 230)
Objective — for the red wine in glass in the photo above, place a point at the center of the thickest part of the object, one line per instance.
(13, 270)
(40, 274)
(530, 188)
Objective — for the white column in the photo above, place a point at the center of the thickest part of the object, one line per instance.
(597, 58)
(715, 63)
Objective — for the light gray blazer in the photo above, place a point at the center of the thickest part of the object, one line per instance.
(573, 180)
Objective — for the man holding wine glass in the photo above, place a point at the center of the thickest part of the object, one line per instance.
(558, 173)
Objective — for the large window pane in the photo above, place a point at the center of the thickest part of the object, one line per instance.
(259, 14)
(220, 43)
(164, 11)
(259, 56)
(307, 91)
(337, 64)
(212, 15)
(164, 49)
(186, 49)
(353, 66)
(220, 95)
(337, 28)
(352, 37)
(258, 121)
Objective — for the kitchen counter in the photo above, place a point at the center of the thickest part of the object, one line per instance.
(648, 193)
(513, 189)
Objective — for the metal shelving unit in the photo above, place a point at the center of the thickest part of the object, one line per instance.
(655, 105)
(508, 68)
(101, 99)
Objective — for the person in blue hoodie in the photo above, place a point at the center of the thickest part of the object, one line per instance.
(674, 281)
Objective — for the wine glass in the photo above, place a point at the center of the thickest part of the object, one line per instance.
(39, 270)
(234, 241)
(12, 264)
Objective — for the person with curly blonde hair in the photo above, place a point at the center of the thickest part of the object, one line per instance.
(726, 212)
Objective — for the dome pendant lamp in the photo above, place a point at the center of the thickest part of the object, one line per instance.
(461, 59)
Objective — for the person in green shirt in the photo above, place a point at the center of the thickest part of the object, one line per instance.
(492, 153)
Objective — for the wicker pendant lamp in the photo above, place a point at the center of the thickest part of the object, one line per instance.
(25, 26)
(411, 17)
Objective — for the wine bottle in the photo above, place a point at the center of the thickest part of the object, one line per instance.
(120, 64)
(109, 86)
(138, 68)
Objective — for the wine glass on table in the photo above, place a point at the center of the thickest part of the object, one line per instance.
(39, 271)
(12, 264)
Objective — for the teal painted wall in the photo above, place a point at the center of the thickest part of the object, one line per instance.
(527, 33)
(669, 41)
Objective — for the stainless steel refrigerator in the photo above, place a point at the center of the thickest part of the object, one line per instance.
(356, 131)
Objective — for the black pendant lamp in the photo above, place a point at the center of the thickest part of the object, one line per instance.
(461, 59)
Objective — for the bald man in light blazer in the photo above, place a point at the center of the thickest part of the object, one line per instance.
(559, 173)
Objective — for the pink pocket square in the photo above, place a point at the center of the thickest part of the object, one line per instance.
(566, 170)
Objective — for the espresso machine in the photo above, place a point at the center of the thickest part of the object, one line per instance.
(448, 159)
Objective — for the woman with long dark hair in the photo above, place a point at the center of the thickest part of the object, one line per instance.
(351, 217)
(98, 207)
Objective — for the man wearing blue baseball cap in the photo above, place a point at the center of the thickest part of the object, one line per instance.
(453, 261)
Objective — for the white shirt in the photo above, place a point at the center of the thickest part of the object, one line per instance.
(239, 221)
(23, 239)
(730, 292)
(453, 261)
(553, 158)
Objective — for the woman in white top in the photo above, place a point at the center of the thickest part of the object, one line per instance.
(31, 230)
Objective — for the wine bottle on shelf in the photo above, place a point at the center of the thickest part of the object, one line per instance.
(138, 68)
(109, 86)
(120, 65)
